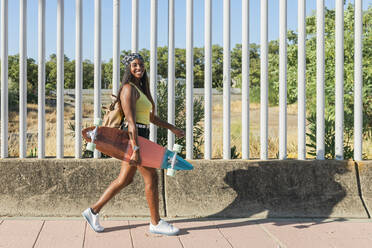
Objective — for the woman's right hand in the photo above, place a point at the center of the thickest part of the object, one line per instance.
(178, 132)
(135, 158)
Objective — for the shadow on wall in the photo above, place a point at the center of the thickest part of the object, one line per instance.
(286, 190)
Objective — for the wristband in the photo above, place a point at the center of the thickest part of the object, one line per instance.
(136, 148)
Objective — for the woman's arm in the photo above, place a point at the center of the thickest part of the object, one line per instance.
(128, 99)
(159, 122)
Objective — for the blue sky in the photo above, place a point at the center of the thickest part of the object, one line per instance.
(144, 24)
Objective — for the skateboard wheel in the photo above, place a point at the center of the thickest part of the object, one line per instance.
(171, 172)
(91, 146)
(97, 121)
(177, 148)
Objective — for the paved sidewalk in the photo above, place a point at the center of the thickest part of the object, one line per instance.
(204, 233)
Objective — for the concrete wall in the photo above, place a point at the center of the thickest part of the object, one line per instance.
(217, 188)
(365, 182)
(51, 187)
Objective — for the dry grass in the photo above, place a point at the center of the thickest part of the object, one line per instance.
(367, 148)
(217, 130)
(50, 129)
(254, 125)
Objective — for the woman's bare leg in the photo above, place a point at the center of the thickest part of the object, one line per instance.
(124, 179)
(150, 178)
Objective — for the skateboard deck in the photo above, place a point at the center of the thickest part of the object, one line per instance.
(115, 143)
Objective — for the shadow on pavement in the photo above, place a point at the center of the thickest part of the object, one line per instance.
(231, 223)
(284, 194)
(123, 227)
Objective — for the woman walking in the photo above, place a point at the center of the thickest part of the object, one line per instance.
(139, 108)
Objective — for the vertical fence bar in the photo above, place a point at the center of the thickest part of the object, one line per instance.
(264, 81)
(339, 73)
(226, 80)
(189, 79)
(153, 61)
(245, 79)
(78, 78)
(22, 78)
(97, 63)
(301, 79)
(60, 78)
(135, 26)
(4, 79)
(320, 97)
(171, 72)
(208, 79)
(41, 79)
(283, 79)
(358, 81)
(116, 47)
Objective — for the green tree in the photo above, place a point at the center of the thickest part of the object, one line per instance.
(163, 62)
(107, 71)
(69, 74)
(32, 79)
(330, 72)
(199, 67)
(217, 66)
(51, 73)
(88, 74)
(292, 83)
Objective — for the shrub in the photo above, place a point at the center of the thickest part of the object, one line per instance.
(329, 138)
(180, 120)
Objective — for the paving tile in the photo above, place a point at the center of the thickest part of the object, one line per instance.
(143, 238)
(360, 230)
(60, 233)
(201, 234)
(116, 234)
(340, 234)
(243, 233)
(194, 233)
(295, 234)
(19, 233)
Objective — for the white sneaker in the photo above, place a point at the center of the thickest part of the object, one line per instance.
(164, 228)
(93, 220)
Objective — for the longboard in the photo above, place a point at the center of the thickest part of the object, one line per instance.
(115, 143)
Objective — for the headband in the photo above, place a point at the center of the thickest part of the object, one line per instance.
(129, 58)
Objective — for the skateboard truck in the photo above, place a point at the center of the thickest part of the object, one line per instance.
(92, 134)
(176, 149)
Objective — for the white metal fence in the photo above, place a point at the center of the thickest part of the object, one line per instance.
(189, 75)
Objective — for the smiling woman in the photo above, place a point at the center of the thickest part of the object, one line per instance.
(138, 107)
(137, 68)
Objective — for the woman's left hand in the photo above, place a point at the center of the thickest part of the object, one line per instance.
(178, 132)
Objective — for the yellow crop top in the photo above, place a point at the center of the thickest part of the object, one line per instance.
(143, 108)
